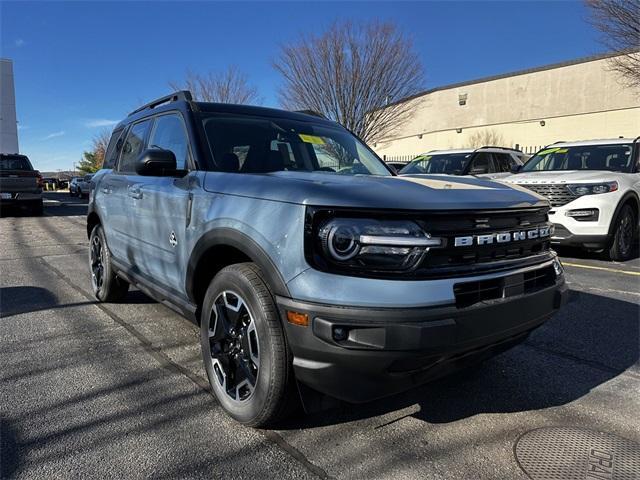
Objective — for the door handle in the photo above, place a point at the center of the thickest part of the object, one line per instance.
(135, 192)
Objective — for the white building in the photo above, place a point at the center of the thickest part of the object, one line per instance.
(8, 124)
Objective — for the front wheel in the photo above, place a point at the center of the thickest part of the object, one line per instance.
(244, 348)
(621, 247)
(106, 285)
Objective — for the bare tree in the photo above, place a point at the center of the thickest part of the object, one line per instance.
(354, 74)
(229, 86)
(619, 23)
(484, 138)
(93, 159)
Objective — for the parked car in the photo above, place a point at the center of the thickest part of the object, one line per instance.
(20, 184)
(488, 162)
(73, 186)
(306, 261)
(593, 187)
(80, 186)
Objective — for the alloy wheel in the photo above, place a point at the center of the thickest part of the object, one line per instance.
(625, 238)
(234, 346)
(97, 263)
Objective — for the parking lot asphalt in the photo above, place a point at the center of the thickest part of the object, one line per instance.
(118, 390)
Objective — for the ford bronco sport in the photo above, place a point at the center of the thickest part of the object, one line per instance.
(311, 268)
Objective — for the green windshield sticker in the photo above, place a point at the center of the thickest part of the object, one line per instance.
(562, 150)
(548, 151)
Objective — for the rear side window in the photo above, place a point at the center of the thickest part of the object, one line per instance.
(504, 161)
(169, 133)
(482, 163)
(14, 162)
(132, 147)
(113, 149)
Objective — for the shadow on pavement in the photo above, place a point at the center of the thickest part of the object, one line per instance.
(596, 339)
(8, 449)
(17, 300)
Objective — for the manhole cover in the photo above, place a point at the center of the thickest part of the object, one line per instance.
(567, 453)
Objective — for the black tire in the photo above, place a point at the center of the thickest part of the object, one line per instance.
(71, 194)
(242, 286)
(106, 285)
(37, 208)
(624, 234)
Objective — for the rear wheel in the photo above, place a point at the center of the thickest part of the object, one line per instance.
(106, 285)
(243, 347)
(622, 243)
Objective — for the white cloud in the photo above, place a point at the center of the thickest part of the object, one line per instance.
(19, 42)
(23, 127)
(54, 135)
(100, 122)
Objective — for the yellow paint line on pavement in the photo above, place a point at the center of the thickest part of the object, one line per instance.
(593, 267)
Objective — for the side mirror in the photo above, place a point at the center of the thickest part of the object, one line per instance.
(515, 168)
(156, 163)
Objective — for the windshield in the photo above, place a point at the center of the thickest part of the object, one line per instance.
(246, 144)
(615, 158)
(448, 163)
(14, 162)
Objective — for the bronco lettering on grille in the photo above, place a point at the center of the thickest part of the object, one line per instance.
(502, 237)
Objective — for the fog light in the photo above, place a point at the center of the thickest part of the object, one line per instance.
(340, 334)
(585, 214)
(557, 267)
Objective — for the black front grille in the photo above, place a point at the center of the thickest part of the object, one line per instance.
(465, 260)
(470, 293)
(558, 195)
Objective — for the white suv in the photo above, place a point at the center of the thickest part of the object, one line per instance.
(594, 190)
(486, 162)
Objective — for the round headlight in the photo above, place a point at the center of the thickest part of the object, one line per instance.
(342, 242)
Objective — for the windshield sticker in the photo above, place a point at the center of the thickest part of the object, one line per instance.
(562, 150)
(311, 139)
(548, 151)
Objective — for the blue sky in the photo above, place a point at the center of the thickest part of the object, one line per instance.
(81, 66)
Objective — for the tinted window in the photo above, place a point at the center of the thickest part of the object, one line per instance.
(504, 161)
(615, 157)
(250, 144)
(482, 164)
(169, 134)
(14, 162)
(115, 145)
(132, 147)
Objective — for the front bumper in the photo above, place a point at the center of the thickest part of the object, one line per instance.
(564, 237)
(389, 350)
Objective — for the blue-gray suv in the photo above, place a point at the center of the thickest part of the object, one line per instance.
(313, 270)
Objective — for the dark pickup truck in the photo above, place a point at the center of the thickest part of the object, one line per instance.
(20, 184)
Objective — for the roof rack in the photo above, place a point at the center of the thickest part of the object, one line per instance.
(502, 148)
(174, 97)
(311, 112)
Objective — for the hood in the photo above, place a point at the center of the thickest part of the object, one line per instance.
(408, 192)
(562, 176)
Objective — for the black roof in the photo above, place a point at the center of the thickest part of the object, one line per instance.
(182, 101)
